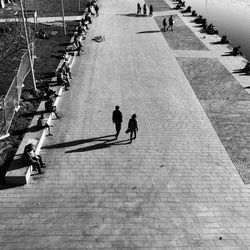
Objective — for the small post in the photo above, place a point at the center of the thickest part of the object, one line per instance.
(64, 26)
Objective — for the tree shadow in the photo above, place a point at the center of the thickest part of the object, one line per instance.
(77, 142)
(148, 31)
(100, 146)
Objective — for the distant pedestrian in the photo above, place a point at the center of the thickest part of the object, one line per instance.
(139, 11)
(151, 10)
(117, 120)
(164, 22)
(144, 10)
(138, 8)
(132, 127)
(171, 22)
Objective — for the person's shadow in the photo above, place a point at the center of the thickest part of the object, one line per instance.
(148, 31)
(105, 144)
(106, 141)
(228, 53)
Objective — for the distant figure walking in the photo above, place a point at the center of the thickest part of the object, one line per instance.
(138, 9)
(117, 120)
(151, 10)
(171, 22)
(164, 23)
(144, 10)
(132, 127)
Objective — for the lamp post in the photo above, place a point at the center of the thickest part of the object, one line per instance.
(28, 45)
(64, 27)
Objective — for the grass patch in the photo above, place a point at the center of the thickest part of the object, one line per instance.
(54, 7)
(182, 38)
(226, 104)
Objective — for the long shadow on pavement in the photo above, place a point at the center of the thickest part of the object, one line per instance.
(77, 142)
(148, 31)
(100, 146)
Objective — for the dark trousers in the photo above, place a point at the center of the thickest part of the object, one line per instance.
(131, 134)
(118, 128)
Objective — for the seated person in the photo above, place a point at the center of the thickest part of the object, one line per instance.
(79, 30)
(246, 69)
(49, 92)
(49, 107)
(188, 9)
(224, 39)
(79, 48)
(194, 13)
(31, 158)
(66, 64)
(41, 124)
(88, 18)
(59, 77)
(236, 51)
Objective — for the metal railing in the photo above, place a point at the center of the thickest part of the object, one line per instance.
(10, 103)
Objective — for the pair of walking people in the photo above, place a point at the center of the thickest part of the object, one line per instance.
(132, 124)
(170, 21)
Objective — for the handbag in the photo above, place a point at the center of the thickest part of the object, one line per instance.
(127, 131)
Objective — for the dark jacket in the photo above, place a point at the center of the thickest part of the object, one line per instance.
(117, 116)
(132, 125)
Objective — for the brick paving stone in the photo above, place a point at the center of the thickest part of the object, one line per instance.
(174, 187)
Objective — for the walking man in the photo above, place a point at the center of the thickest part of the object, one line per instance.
(164, 22)
(151, 10)
(117, 120)
(171, 22)
(138, 8)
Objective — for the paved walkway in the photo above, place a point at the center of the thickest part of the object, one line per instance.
(174, 187)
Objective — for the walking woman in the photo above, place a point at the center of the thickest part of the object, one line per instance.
(132, 126)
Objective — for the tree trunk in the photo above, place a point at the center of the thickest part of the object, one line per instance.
(2, 5)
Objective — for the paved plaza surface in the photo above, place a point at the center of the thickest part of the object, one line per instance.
(173, 187)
